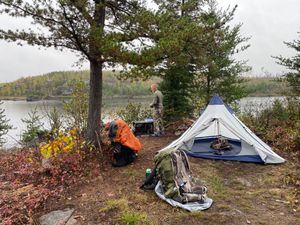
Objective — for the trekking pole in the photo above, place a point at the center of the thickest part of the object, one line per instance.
(101, 155)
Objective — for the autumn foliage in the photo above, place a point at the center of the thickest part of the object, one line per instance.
(30, 177)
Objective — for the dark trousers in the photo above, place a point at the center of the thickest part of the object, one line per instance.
(122, 155)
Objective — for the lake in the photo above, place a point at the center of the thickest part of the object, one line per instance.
(15, 111)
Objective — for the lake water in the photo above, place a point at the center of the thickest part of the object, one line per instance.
(15, 111)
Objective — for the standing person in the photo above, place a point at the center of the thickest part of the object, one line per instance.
(157, 105)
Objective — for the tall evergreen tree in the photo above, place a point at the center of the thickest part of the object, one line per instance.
(293, 64)
(176, 89)
(178, 68)
(104, 32)
(203, 43)
(217, 71)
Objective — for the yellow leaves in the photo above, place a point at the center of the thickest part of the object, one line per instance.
(63, 143)
(46, 151)
(30, 159)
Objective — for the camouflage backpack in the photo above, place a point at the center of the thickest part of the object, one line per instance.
(173, 170)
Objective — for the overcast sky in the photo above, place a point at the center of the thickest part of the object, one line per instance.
(267, 22)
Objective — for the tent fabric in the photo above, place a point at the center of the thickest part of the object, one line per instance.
(216, 100)
(190, 206)
(218, 121)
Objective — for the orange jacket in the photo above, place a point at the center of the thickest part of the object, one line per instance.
(125, 136)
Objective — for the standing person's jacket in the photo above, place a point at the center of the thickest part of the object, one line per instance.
(120, 132)
(158, 100)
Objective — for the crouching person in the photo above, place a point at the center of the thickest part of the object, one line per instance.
(125, 144)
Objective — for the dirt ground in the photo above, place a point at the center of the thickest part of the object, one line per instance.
(243, 193)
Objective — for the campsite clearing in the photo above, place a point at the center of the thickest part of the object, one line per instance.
(243, 193)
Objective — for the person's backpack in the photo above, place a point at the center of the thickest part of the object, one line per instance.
(173, 170)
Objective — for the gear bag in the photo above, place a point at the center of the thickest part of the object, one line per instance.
(221, 144)
(173, 170)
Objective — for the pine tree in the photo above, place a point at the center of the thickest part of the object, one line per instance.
(178, 68)
(293, 64)
(203, 48)
(34, 128)
(4, 125)
(217, 71)
(176, 90)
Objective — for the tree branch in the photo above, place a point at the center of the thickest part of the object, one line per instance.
(74, 34)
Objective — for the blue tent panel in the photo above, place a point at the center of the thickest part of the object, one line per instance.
(241, 158)
(216, 100)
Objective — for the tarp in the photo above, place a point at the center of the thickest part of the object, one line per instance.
(190, 206)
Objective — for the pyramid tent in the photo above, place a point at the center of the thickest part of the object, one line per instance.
(219, 120)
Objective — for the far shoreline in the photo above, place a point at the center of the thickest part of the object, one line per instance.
(59, 98)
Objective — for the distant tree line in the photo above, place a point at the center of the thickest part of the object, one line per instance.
(62, 84)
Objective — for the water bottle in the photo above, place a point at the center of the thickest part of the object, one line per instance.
(148, 172)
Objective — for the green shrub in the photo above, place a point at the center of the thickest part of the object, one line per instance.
(279, 111)
(77, 107)
(34, 128)
(55, 119)
(278, 125)
(133, 112)
(4, 125)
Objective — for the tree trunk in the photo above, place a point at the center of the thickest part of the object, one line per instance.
(208, 88)
(95, 101)
(96, 65)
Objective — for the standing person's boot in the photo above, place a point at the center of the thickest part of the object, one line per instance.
(156, 134)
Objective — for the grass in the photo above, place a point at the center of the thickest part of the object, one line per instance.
(125, 215)
(217, 186)
(115, 204)
(128, 172)
(133, 218)
(143, 199)
(223, 207)
(245, 205)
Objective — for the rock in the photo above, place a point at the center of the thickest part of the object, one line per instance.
(244, 182)
(178, 133)
(46, 164)
(71, 221)
(58, 217)
(275, 191)
(6, 186)
(227, 182)
(233, 213)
